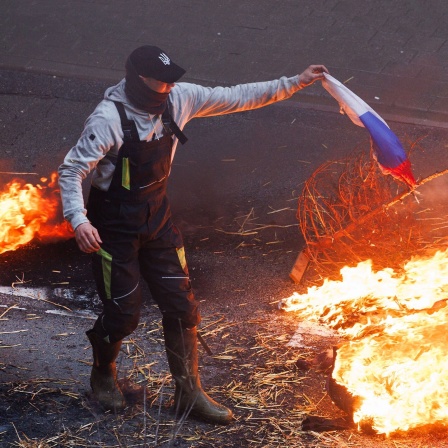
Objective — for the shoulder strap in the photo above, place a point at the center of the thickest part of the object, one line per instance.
(168, 121)
(128, 126)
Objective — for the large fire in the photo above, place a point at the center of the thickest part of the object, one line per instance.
(395, 359)
(30, 211)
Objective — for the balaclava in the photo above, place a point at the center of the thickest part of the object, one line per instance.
(149, 61)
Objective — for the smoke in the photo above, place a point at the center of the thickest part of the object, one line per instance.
(435, 192)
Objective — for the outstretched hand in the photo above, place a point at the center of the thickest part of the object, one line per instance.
(311, 74)
(87, 238)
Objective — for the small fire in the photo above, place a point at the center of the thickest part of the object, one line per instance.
(395, 360)
(28, 211)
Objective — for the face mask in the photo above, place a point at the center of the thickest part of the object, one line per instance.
(140, 95)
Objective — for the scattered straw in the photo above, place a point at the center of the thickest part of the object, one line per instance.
(254, 372)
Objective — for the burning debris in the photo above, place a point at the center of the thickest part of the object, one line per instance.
(393, 364)
(28, 211)
(389, 373)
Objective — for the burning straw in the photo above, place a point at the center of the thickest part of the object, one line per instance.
(28, 211)
(391, 312)
(349, 212)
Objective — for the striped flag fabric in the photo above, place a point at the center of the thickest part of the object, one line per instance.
(387, 148)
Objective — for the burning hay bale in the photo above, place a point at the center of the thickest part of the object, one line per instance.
(349, 212)
(387, 245)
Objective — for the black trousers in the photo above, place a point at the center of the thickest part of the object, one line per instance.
(118, 267)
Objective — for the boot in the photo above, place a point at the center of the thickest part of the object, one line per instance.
(182, 354)
(103, 379)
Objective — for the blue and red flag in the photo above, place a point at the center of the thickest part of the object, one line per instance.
(387, 148)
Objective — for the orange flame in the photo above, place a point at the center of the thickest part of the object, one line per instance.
(396, 358)
(29, 211)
